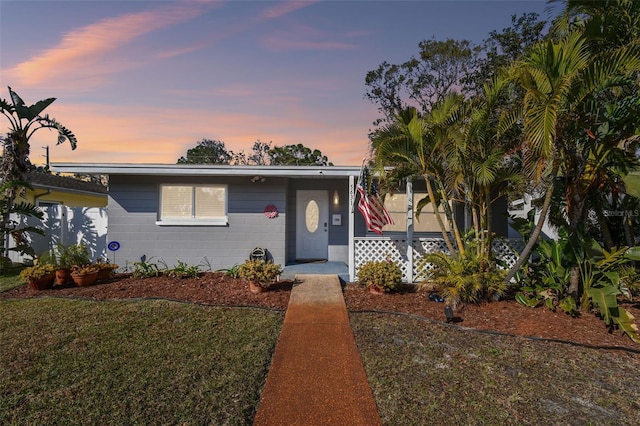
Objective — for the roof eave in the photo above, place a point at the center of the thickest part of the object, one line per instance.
(69, 190)
(204, 170)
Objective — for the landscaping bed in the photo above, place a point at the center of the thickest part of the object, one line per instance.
(213, 288)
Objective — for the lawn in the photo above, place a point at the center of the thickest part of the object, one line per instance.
(72, 361)
(419, 370)
(151, 362)
(10, 278)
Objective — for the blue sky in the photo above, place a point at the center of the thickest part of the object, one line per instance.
(143, 81)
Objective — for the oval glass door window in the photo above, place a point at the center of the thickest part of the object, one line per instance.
(312, 216)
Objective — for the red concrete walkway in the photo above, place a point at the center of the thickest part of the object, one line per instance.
(316, 376)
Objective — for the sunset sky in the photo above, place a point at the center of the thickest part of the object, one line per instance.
(143, 81)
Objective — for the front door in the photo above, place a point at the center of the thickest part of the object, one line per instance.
(312, 227)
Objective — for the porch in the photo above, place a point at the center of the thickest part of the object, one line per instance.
(316, 268)
(396, 249)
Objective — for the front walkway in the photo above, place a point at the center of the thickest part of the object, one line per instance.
(316, 268)
(316, 376)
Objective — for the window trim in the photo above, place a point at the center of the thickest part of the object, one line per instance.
(193, 221)
(402, 222)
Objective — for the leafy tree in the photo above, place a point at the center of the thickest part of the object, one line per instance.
(450, 65)
(297, 155)
(562, 80)
(259, 153)
(497, 52)
(24, 121)
(420, 82)
(478, 162)
(207, 152)
(410, 144)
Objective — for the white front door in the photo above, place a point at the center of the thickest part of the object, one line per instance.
(312, 227)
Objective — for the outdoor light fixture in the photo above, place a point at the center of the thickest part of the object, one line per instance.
(336, 198)
(448, 313)
(257, 179)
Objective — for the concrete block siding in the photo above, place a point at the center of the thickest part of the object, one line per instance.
(133, 212)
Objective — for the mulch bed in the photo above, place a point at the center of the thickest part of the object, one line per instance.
(213, 288)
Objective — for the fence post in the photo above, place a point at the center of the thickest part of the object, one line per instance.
(409, 253)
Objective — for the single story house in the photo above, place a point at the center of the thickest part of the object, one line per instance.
(216, 214)
(74, 211)
(50, 189)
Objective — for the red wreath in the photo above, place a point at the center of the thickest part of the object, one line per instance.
(271, 211)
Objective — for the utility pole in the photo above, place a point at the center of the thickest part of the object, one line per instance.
(46, 155)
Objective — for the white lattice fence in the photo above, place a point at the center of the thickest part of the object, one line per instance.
(507, 250)
(378, 249)
(423, 246)
(395, 249)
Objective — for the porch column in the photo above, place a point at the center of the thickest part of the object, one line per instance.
(409, 253)
(352, 257)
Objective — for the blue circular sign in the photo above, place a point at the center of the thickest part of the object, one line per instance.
(113, 246)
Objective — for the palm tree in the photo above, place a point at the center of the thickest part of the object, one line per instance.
(23, 122)
(410, 143)
(478, 164)
(559, 77)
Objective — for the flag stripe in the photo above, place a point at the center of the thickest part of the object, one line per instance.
(372, 208)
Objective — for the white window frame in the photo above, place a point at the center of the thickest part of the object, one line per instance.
(194, 221)
(400, 215)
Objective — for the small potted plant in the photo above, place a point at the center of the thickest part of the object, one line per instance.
(39, 277)
(105, 270)
(84, 275)
(380, 276)
(63, 258)
(259, 273)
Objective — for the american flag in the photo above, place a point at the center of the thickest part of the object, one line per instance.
(371, 205)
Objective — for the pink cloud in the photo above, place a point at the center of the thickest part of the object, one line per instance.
(285, 8)
(82, 51)
(115, 134)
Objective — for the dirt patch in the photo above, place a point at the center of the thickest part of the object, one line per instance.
(217, 289)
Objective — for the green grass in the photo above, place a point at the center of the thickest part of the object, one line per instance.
(10, 279)
(156, 362)
(419, 370)
(152, 362)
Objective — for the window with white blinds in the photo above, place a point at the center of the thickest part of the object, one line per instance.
(193, 204)
(396, 205)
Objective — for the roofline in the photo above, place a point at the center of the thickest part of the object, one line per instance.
(204, 170)
(68, 190)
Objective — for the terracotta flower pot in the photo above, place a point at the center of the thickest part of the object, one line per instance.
(376, 289)
(42, 283)
(63, 276)
(256, 288)
(82, 280)
(105, 274)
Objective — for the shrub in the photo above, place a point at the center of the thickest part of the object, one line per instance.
(85, 269)
(384, 274)
(62, 256)
(182, 270)
(470, 279)
(36, 272)
(259, 272)
(233, 272)
(144, 269)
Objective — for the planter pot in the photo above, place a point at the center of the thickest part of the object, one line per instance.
(376, 289)
(105, 274)
(42, 283)
(63, 276)
(256, 288)
(84, 279)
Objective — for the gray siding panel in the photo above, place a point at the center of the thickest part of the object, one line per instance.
(133, 215)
